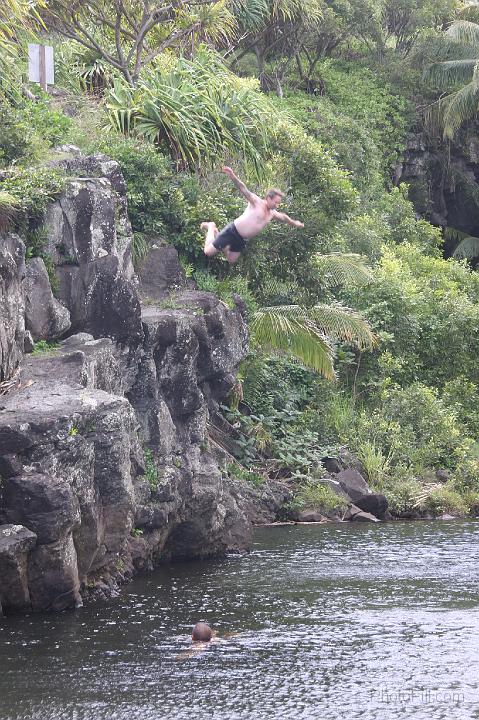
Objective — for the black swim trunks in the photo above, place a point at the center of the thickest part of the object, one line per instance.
(230, 236)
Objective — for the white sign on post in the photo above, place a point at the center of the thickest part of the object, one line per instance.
(40, 65)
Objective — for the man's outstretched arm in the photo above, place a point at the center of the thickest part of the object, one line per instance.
(250, 196)
(282, 217)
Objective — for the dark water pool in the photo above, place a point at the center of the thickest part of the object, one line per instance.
(330, 621)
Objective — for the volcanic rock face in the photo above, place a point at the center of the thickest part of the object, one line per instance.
(89, 239)
(12, 304)
(45, 317)
(105, 461)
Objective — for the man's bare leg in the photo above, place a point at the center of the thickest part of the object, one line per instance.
(211, 233)
(231, 256)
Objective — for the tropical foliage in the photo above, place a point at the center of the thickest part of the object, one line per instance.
(320, 98)
(16, 20)
(196, 110)
(130, 35)
(459, 72)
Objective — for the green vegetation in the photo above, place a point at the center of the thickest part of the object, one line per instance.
(319, 98)
(151, 469)
(42, 346)
(196, 111)
(314, 495)
(31, 189)
(237, 471)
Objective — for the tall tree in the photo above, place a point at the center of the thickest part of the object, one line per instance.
(133, 32)
(275, 30)
(461, 72)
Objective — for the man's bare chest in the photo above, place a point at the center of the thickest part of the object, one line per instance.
(259, 215)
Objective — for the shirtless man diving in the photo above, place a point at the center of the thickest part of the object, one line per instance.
(258, 213)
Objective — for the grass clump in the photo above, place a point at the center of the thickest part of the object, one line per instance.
(151, 469)
(316, 495)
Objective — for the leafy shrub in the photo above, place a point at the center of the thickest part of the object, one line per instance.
(315, 495)
(359, 92)
(18, 139)
(349, 142)
(226, 288)
(42, 347)
(402, 496)
(33, 189)
(8, 210)
(466, 476)
(399, 214)
(426, 311)
(155, 202)
(238, 472)
(438, 499)
(49, 122)
(462, 396)
(151, 468)
(293, 386)
(28, 129)
(412, 427)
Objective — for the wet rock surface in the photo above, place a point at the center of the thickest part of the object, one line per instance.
(12, 304)
(104, 447)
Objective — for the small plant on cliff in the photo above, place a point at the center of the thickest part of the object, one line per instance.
(238, 472)
(8, 210)
(32, 189)
(42, 347)
(151, 468)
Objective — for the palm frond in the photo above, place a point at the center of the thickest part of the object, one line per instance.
(468, 249)
(451, 72)
(342, 323)
(461, 106)
(454, 235)
(464, 32)
(333, 321)
(342, 269)
(470, 11)
(299, 336)
(452, 111)
(250, 14)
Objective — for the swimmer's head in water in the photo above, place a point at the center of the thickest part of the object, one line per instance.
(201, 632)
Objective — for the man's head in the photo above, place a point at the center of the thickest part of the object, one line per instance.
(201, 632)
(273, 198)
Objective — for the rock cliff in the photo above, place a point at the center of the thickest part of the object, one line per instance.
(443, 181)
(106, 465)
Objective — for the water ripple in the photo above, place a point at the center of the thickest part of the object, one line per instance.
(327, 622)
